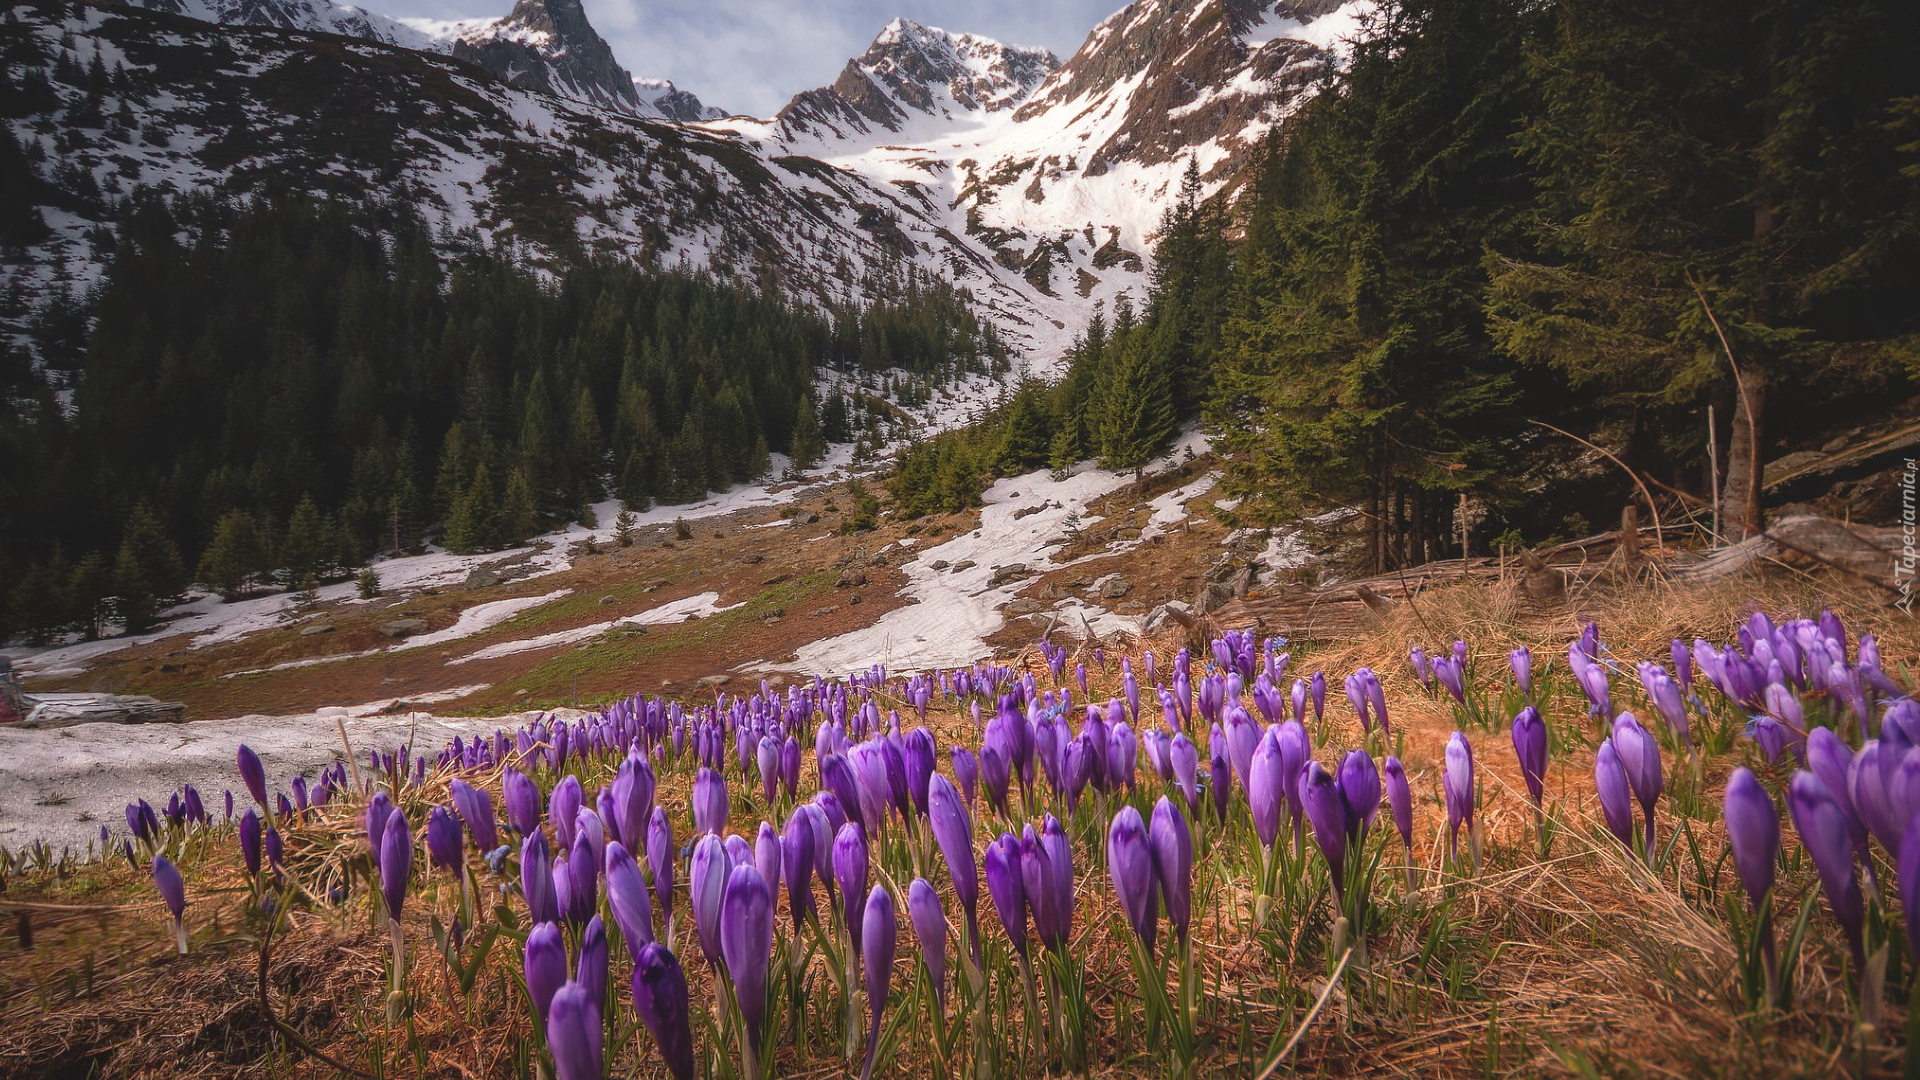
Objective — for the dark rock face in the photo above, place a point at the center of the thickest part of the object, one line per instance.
(549, 46)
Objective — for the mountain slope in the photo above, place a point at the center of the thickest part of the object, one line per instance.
(104, 100)
(543, 45)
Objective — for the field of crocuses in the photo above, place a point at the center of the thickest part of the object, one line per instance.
(1190, 863)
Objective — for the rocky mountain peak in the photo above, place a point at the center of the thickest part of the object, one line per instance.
(912, 70)
(549, 46)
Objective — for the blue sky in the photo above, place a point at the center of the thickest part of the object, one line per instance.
(752, 55)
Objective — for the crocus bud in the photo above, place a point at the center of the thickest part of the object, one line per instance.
(1521, 660)
(796, 863)
(632, 795)
(709, 802)
(1753, 830)
(523, 802)
(1005, 887)
(545, 966)
(1640, 758)
(966, 771)
(953, 831)
(660, 997)
(396, 862)
(379, 809)
(1172, 845)
(706, 887)
(766, 857)
(563, 809)
(1616, 796)
(1359, 790)
(850, 875)
(661, 857)
(879, 937)
(444, 840)
(1530, 746)
(1823, 832)
(173, 893)
(1130, 863)
(536, 879)
(1327, 814)
(1458, 785)
(1185, 760)
(250, 842)
(476, 810)
(930, 929)
(1400, 801)
(574, 1033)
(1266, 788)
(627, 897)
(746, 936)
(253, 774)
(591, 970)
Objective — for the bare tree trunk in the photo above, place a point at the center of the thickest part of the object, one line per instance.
(1741, 503)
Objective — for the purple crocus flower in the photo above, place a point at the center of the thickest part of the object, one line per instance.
(627, 897)
(1521, 661)
(1616, 795)
(1327, 814)
(1005, 887)
(746, 936)
(767, 759)
(1243, 736)
(1422, 668)
(476, 810)
(1451, 675)
(879, 936)
(1130, 863)
(1359, 790)
(995, 776)
(660, 856)
(1822, 826)
(966, 771)
(1317, 692)
(523, 802)
(1753, 830)
(591, 969)
(1184, 757)
(1666, 698)
(1266, 788)
(953, 831)
(563, 809)
(796, 863)
(632, 796)
(379, 809)
(574, 1033)
(1400, 801)
(918, 756)
(706, 887)
(930, 929)
(767, 857)
(250, 842)
(1172, 846)
(1220, 775)
(709, 802)
(660, 997)
(445, 840)
(545, 966)
(1458, 785)
(173, 893)
(253, 774)
(1530, 747)
(1640, 758)
(836, 776)
(396, 862)
(850, 868)
(1593, 680)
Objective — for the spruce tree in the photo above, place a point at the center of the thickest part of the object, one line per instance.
(305, 547)
(806, 446)
(1133, 407)
(237, 555)
(519, 517)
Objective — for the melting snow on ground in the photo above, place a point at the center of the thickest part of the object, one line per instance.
(698, 606)
(953, 613)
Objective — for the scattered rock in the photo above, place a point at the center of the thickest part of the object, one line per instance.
(807, 517)
(939, 564)
(963, 564)
(400, 628)
(850, 578)
(1171, 613)
(854, 599)
(1003, 574)
(775, 580)
(1027, 511)
(484, 577)
(710, 681)
(609, 600)
(823, 611)
(1114, 587)
(753, 560)
(1024, 606)
(315, 629)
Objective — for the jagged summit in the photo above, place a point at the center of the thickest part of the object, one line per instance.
(912, 71)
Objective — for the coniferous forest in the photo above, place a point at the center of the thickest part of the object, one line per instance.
(1605, 216)
(272, 392)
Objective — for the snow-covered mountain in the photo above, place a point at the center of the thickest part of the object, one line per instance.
(1035, 185)
(544, 45)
